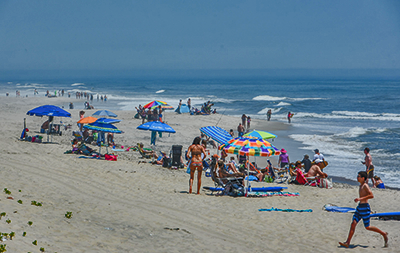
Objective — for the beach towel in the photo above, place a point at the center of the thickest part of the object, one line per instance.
(286, 210)
(270, 194)
(338, 209)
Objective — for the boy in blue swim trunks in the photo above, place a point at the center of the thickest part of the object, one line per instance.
(363, 211)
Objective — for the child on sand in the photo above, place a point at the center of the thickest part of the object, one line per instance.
(363, 211)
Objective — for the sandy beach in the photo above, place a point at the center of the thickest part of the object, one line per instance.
(125, 206)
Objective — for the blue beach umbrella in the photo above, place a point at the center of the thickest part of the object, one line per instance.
(156, 126)
(103, 128)
(108, 121)
(104, 113)
(50, 111)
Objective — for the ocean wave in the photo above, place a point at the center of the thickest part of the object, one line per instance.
(268, 98)
(349, 115)
(77, 84)
(273, 110)
(160, 91)
(305, 99)
(283, 104)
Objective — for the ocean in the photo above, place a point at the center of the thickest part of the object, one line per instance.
(340, 117)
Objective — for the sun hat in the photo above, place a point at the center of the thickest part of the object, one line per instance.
(318, 160)
(283, 151)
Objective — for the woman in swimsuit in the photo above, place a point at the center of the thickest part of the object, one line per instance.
(195, 151)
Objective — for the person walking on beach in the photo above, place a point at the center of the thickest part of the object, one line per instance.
(195, 151)
(248, 123)
(244, 117)
(369, 168)
(318, 155)
(269, 113)
(283, 158)
(363, 211)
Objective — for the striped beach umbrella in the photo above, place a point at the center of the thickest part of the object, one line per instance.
(250, 147)
(260, 134)
(216, 133)
(154, 104)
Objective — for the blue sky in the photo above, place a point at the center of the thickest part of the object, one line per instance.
(129, 35)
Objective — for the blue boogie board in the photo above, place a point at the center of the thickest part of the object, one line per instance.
(267, 189)
(339, 209)
(387, 216)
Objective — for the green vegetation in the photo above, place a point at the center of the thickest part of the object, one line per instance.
(34, 203)
(68, 215)
(24, 234)
(30, 223)
(42, 249)
(2, 214)
(8, 221)
(34, 242)
(12, 234)
(6, 191)
(20, 201)
(3, 248)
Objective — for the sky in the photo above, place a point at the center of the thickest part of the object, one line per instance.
(216, 34)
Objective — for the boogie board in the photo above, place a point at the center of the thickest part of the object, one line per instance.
(387, 216)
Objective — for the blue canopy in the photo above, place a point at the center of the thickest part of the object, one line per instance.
(183, 109)
(102, 127)
(216, 133)
(156, 126)
(107, 120)
(49, 110)
(104, 113)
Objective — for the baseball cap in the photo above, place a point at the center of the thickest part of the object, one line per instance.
(316, 150)
(318, 160)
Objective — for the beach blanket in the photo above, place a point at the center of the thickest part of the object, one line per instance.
(338, 209)
(286, 210)
(269, 194)
(89, 157)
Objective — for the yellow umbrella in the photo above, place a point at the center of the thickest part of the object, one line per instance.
(87, 120)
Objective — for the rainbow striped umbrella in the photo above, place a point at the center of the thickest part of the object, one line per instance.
(154, 104)
(250, 147)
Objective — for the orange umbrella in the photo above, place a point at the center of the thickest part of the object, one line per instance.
(87, 120)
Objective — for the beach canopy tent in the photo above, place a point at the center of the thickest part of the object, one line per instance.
(261, 134)
(217, 134)
(154, 127)
(104, 113)
(102, 128)
(183, 109)
(249, 146)
(50, 111)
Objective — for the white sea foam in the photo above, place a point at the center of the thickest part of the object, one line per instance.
(160, 91)
(273, 110)
(283, 104)
(348, 115)
(77, 84)
(268, 98)
(304, 99)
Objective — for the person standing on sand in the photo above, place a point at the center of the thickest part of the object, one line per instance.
(363, 211)
(289, 116)
(283, 158)
(244, 117)
(248, 123)
(195, 151)
(369, 168)
(240, 130)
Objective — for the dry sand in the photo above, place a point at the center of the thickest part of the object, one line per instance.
(124, 206)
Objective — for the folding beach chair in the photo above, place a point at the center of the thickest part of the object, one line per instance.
(176, 154)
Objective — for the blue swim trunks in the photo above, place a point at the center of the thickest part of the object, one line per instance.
(362, 212)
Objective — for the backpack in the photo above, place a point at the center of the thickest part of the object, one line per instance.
(166, 162)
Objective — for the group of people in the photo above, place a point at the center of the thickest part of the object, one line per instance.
(149, 114)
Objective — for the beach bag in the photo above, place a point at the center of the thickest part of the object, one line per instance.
(110, 157)
(325, 183)
(268, 179)
(166, 162)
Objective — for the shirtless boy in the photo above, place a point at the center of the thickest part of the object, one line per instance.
(363, 211)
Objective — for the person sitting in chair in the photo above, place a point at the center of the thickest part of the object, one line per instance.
(315, 170)
(146, 152)
(225, 171)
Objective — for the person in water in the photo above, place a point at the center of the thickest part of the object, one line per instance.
(363, 211)
(195, 151)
